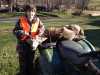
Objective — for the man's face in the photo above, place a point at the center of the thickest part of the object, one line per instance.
(31, 14)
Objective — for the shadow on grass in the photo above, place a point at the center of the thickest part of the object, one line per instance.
(45, 14)
(95, 21)
(93, 35)
(94, 17)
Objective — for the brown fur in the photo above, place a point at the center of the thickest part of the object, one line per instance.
(54, 33)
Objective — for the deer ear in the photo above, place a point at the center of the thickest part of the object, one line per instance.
(81, 32)
(80, 35)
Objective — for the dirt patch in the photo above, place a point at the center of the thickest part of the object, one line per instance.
(6, 30)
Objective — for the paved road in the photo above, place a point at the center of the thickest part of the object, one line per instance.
(8, 20)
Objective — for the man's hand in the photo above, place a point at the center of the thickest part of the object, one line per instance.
(34, 42)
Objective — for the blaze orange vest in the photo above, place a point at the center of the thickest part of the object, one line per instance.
(27, 28)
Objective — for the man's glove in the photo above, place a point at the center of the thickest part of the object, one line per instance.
(24, 36)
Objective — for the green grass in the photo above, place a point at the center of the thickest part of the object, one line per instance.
(8, 15)
(84, 21)
(6, 26)
(8, 55)
(14, 14)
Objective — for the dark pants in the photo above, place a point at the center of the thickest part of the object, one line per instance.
(26, 58)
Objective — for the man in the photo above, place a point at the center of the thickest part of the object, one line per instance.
(28, 31)
(71, 47)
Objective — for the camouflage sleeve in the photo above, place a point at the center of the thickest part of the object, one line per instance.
(41, 28)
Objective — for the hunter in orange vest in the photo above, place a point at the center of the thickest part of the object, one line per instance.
(27, 29)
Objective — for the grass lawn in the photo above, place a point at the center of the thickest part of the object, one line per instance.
(8, 56)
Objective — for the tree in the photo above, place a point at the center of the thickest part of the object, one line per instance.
(10, 4)
(79, 6)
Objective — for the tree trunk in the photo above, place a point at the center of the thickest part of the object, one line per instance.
(0, 4)
(10, 6)
(47, 5)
